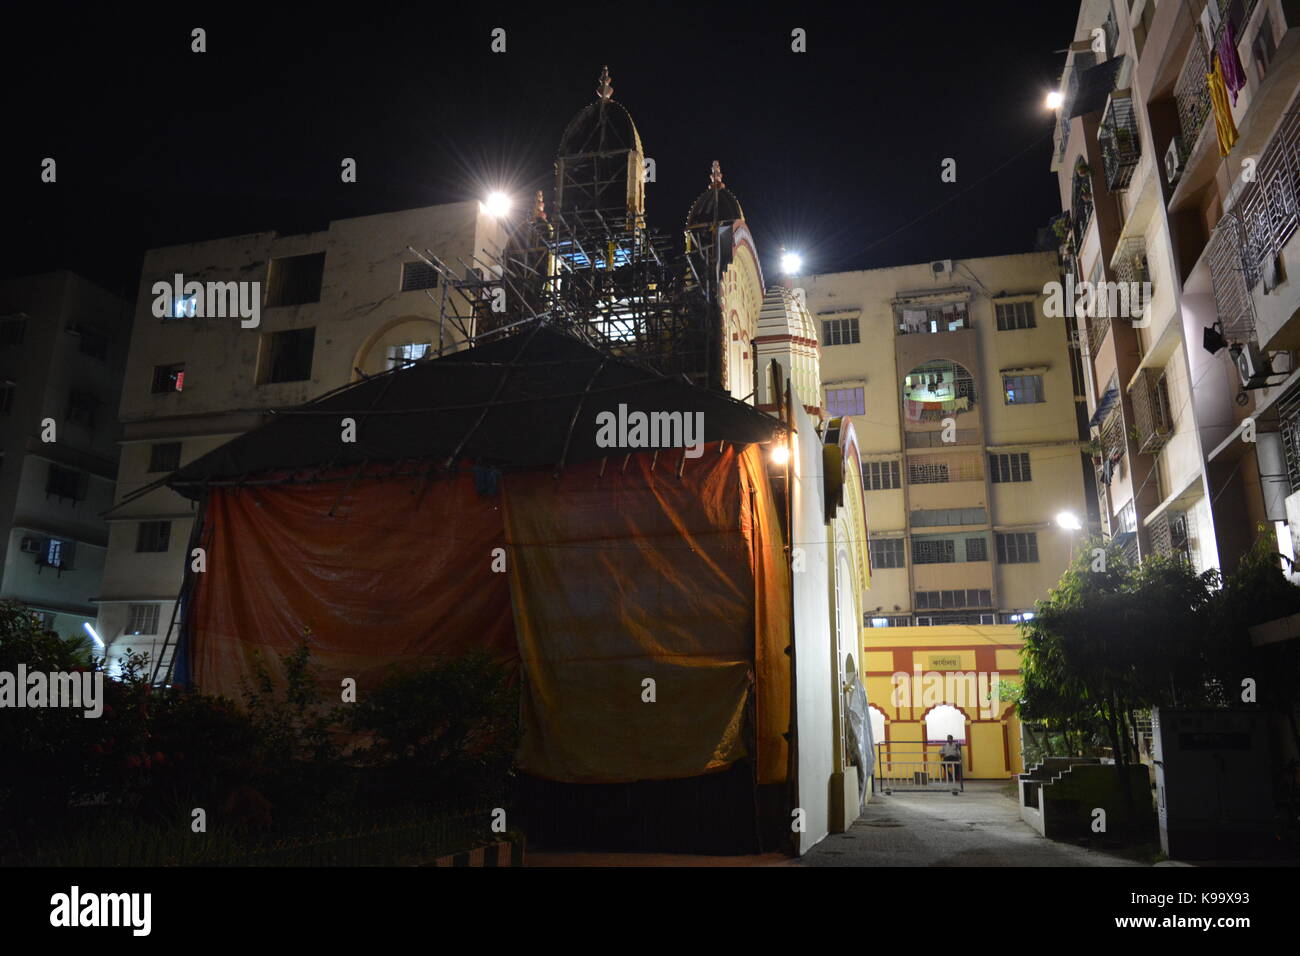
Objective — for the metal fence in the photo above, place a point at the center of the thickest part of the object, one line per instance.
(918, 766)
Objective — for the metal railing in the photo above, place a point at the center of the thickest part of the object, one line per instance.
(918, 766)
(1191, 94)
(1268, 206)
(1151, 415)
(1228, 259)
(1121, 146)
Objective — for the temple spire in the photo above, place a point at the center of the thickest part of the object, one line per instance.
(715, 176)
(605, 89)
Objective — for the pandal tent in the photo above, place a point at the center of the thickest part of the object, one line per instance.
(619, 565)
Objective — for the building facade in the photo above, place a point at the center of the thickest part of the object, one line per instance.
(353, 300)
(967, 404)
(63, 346)
(1176, 151)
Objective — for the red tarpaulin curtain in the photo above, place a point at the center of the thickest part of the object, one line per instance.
(401, 573)
(613, 579)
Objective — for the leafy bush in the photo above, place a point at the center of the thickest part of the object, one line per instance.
(445, 735)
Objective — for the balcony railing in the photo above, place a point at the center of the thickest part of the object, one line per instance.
(1151, 414)
(1080, 204)
(934, 439)
(1191, 94)
(1098, 326)
(1227, 258)
(1121, 147)
(1130, 261)
(1268, 207)
(1169, 535)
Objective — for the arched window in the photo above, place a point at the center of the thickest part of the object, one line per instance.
(937, 390)
(944, 720)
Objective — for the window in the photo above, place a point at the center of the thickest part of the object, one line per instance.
(288, 355)
(845, 401)
(937, 600)
(886, 553)
(893, 620)
(977, 549)
(1015, 315)
(168, 378)
(65, 483)
(948, 317)
(1023, 389)
(81, 408)
(153, 536)
(934, 550)
(840, 332)
(165, 456)
(58, 553)
(418, 275)
(400, 356)
(936, 390)
(6, 397)
(142, 619)
(1008, 468)
(1015, 617)
(1264, 46)
(940, 517)
(295, 280)
(94, 343)
(880, 475)
(1020, 547)
(939, 469)
(12, 332)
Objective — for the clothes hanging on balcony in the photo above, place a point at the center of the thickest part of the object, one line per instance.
(1223, 123)
(1234, 74)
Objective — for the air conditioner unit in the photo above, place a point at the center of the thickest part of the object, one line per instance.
(988, 618)
(924, 621)
(31, 546)
(941, 267)
(1252, 366)
(1174, 160)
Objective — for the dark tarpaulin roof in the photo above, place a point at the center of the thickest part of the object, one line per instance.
(1095, 84)
(509, 404)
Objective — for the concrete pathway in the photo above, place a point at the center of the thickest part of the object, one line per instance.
(981, 827)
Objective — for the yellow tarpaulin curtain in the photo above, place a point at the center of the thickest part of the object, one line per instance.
(641, 576)
(1224, 125)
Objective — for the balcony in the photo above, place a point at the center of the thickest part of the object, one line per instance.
(1121, 146)
(1152, 418)
(1267, 207)
(1170, 536)
(1080, 204)
(1227, 256)
(1191, 95)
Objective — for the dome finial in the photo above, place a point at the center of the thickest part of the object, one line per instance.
(715, 176)
(606, 89)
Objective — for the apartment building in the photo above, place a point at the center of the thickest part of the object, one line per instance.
(967, 401)
(1176, 151)
(63, 346)
(348, 301)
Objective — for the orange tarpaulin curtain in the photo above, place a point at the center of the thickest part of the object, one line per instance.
(639, 575)
(401, 573)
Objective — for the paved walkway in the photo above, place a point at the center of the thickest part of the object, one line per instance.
(981, 827)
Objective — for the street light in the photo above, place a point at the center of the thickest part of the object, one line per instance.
(496, 205)
(1055, 99)
(791, 263)
(780, 454)
(91, 631)
(1068, 521)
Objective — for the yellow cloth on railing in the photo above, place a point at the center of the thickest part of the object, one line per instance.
(1223, 123)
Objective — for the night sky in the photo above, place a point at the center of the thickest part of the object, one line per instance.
(835, 152)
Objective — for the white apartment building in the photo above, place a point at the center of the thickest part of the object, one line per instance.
(63, 345)
(335, 305)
